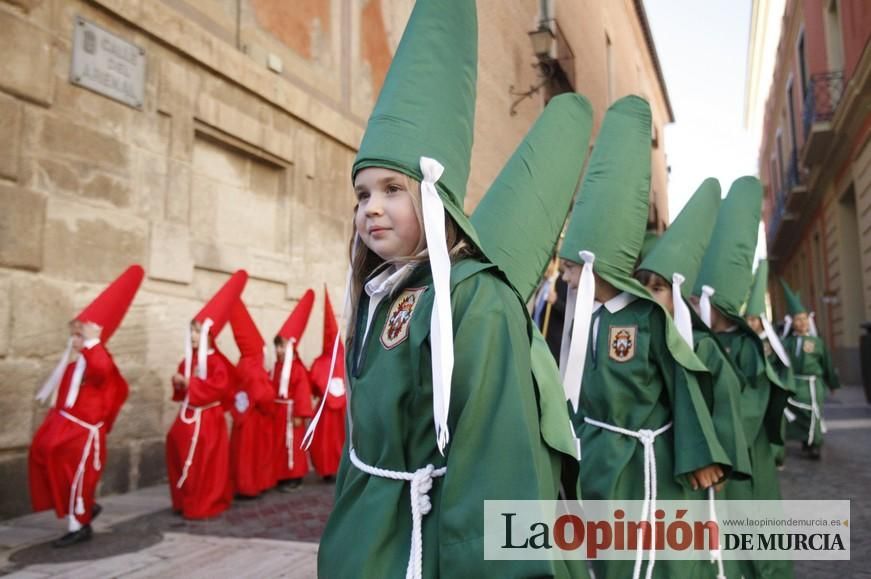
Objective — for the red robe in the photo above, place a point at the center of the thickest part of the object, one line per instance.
(329, 437)
(299, 391)
(252, 441)
(207, 490)
(59, 446)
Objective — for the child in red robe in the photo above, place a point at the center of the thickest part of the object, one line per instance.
(69, 449)
(329, 435)
(197, 445)
(252, 440)
(292, 398)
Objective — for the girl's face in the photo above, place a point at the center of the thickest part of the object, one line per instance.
(661, 292)
(800, 323)
(385, 218)
(571, 273)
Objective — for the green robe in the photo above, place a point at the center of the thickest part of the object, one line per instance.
(646, 389)
(498, 449)
(726, 413)
(809, 357)
(762, 401)
(785, 374)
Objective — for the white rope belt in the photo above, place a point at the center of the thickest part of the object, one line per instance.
(195, 419)
(288, 430)
(716, 554)
(813, 407)
(77, 502)
(421, 484)
(647, 438)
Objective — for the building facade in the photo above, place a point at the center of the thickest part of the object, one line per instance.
(233, 153)
(815, 162)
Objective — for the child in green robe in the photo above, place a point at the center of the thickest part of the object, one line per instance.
(757, 318)
(637, 402)
(719, 292)
(443, 410)
(814, 374)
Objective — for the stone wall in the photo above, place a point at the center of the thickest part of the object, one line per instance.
(238, 158)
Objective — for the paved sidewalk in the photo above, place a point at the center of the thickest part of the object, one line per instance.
(138, 535)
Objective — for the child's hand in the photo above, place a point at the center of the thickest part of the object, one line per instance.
(178, 382)
(706, 477)
(297, 422)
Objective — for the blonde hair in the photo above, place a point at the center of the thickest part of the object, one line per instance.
(365, 262)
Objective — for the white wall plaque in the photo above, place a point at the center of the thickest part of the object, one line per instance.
(107, 64)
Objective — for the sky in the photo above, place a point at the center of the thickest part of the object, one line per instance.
(702, 47)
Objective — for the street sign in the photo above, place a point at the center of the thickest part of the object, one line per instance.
(107, 64)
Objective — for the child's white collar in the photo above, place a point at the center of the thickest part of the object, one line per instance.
(616, 303)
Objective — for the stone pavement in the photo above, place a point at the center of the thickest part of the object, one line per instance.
(276, 535)
(138, 535)
(844, 472)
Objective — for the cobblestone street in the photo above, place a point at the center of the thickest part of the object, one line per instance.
(276, 534)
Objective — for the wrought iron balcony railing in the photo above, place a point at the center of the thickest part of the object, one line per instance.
(823, 95)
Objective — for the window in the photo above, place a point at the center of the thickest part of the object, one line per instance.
(802, 65)
(790, 105)
(834, 42)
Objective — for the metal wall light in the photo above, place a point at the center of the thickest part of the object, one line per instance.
(542, 41)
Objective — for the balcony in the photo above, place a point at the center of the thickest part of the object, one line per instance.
(823, 96)
(788, 203)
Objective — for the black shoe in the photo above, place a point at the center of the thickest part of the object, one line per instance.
(329, 478)
(815, 453)
(73, 538)
(290, 485)
(95, 512)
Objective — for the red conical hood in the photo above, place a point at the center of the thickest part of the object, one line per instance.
(331, 327)
(109, 308)
(245, 331)
(294, 327)
(219, 307)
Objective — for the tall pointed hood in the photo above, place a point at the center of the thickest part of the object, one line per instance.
(677, 256)
(617, 185)
(212, 318)
(607, 226)
(108, 309)
(727, 268)
(793, 299)
(520, 218)
(245, 332)
(296, 322)
(756, 301)
(219, 307)
(681, 248)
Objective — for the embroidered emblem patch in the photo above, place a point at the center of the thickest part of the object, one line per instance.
(396, 327)
(621, 343)
(808, 346)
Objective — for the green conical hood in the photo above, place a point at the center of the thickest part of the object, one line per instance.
(756, 301)
(426, 107)
(610, 215)
(793, 300)
(728, 263)
(650, 239)
(520, 218)
(682, 246)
